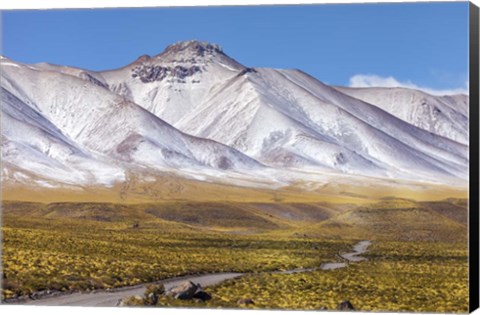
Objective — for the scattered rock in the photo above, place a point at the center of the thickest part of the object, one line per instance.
(152, 299)
(41, 294)
(136, 300)
(184, 291)
(246, 301)
(202, 296)
(345, 306)
(156, 289)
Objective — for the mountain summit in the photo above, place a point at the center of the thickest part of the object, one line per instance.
(194, 47)
(189, 52)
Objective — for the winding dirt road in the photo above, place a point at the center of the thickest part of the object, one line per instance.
(111, 298)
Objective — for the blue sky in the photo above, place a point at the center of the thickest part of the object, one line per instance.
(418, 44)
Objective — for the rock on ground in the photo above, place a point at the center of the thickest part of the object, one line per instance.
(345, 306)
(246, 301)
(184, 291)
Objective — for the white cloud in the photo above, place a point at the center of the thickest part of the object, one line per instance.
(372, 80)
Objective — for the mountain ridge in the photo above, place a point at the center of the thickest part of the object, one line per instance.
(192, 109)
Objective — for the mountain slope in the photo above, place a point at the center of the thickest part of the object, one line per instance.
(86, 117)
(446, 116)
(34, 148)
(283, 118)
(286, 118)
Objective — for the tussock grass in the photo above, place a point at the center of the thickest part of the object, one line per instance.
(400, 276)
(62, 250)
(418, 261)
(396, 219)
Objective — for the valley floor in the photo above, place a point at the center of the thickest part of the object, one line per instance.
(418, 260)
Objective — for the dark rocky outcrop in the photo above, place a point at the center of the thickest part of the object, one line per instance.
(89, 77)
(151, 73)
(245, 71)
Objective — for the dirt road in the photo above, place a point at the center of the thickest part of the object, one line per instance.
(106, 298)
(111, 298)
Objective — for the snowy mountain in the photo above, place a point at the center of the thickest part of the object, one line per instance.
(173, 83)
(194, 110)
(33, 146)
(286, 118)
(67, 122)
(446, 116)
